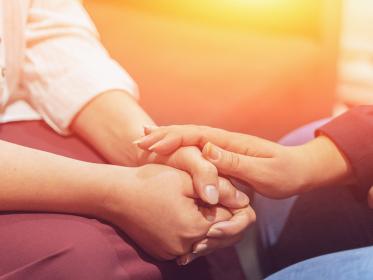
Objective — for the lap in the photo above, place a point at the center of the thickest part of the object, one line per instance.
(354, 264)
(58, 246)
(37, 246)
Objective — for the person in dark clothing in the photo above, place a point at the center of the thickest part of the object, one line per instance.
(311, 188)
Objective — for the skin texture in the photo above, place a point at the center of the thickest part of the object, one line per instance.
(111, 123)
(113, 193)
(113, 120)
(165, 228)
(34, 180)
(271, 169)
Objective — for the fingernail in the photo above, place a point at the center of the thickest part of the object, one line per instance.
(200, 248)
(212, 194)
(212, 152)
(242, 198)
(151, 148)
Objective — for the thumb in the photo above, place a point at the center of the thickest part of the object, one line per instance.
(228, 163)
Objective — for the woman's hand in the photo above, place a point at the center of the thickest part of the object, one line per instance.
(204, 175)
(159, 209)
(273, 170)
(101, 124)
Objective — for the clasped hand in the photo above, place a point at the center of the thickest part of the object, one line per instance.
(214, 191)
(271, 169)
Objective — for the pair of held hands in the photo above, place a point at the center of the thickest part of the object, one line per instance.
(271, 169)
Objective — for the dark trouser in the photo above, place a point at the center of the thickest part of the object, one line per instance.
(316, 223)
(58, 246)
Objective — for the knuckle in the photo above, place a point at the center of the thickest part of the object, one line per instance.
(204, 167)
(251, 216)
(234, 162)
(226, 188)
(225, 183)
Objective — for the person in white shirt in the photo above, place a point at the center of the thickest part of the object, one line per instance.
(54, 69)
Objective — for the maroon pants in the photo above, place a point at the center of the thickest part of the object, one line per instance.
(59, 246)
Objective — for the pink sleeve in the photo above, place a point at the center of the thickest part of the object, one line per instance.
(65, 65)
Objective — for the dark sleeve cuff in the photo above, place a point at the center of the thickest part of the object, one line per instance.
(352, 133)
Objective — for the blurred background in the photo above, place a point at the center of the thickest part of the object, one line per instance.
(262, 67)
(257, 66)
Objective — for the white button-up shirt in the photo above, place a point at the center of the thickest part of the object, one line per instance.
(51, 62)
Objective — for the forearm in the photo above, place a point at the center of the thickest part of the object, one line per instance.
(352, 133)
(110, 123)
(33, 180)
(325, 165)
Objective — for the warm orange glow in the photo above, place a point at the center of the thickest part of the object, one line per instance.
(256, 66)
(301, 17)
(253, 3)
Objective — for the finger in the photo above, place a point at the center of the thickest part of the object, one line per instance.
(147, 141)
(214, 214)
(206, 247)
(189, 135)
(229, 163)
(241, 220)
(177, 136)
(193, 135)
(204, 174)
(167, 145)
(231, 197)
(210, 245)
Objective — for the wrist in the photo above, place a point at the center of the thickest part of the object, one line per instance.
(324, 163)
(99, 182)
(101, 124)
(113, 185)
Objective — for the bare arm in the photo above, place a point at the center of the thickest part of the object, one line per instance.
(33, 180)
(113, 120)
(272, 169)
(98, 125)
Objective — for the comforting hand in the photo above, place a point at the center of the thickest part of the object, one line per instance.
(204, 174)
(158, 208)
(272, 169)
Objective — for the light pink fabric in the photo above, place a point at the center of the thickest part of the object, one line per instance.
(54, 59)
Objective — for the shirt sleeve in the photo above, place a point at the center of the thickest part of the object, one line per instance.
(65, 65)
(352, 132)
